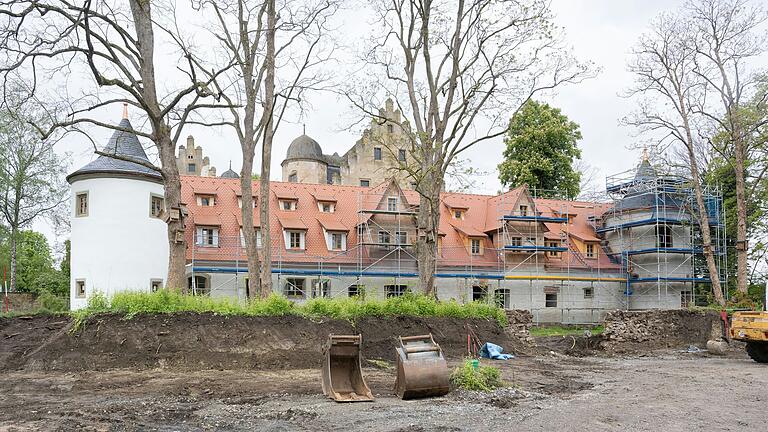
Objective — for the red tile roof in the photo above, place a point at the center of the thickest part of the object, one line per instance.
(482, 216)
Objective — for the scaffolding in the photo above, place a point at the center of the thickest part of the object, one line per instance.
(652, 231)
(587, 256)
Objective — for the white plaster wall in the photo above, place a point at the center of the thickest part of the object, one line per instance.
(117, 246)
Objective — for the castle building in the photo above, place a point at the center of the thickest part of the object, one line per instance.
(566, 261)
(191, 161)
(383, 152)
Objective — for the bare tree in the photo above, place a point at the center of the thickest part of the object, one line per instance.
(32, 181)
(727, 34)
(668, 90)
(48, 41)
(275, 49)
(458, 69)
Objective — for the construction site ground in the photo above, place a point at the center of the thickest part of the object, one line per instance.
(667, 388)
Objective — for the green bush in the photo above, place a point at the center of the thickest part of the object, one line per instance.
(166, 301)
(52, 303)
(484, 378)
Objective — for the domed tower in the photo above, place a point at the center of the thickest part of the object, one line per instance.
(229, 173)
(304, 162)
(119, 242)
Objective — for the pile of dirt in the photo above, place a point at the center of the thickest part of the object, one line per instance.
(205, 341)
(631, 331)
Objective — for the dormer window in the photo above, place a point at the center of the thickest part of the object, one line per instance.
(458, 214)
(240, 202)
(294, 240)
(326, 206)
(590, 253)
(208, 236)
(206, 200)
(288, 205)
(475, 246)
(392, 204)
(258, 237)
(523, 210)
(336, 241)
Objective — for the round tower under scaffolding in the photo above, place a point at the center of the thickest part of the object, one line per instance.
(652, 231)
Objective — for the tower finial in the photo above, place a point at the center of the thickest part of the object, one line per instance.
(645, 154)
(125, 110)
(304, 127)
(230, 164)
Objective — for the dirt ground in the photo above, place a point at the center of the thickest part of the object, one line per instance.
(664, 391)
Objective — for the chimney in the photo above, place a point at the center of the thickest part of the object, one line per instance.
(125, 111)
(190, 141)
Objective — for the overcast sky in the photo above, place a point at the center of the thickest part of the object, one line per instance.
(602, 31)
(598, 30)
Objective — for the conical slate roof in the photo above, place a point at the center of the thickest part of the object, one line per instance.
(124, 144)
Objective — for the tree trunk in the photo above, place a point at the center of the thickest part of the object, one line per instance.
(428, 224)
(741, 212)
(266, 152)
(249, 233)
(14, 234)
(703, 217)
(176, 240)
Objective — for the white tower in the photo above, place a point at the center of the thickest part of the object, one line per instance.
(118, 241)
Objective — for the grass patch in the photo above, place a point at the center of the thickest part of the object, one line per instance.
(565, 331)
(484, 378)
(164, 301)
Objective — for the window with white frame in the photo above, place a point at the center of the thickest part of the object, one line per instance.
(240, 202)
(474, 245)
(206, 200)
(531, 241)
(326, 207)
(81, 204)
(258, 237)
(294, 287)
(294, 240)
(155, 205)
(590, 250)
(208, 236)
(288, 205)
(336, 240)
(392, 204)
(515, 241)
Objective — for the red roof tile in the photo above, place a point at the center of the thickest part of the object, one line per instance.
(291, 221)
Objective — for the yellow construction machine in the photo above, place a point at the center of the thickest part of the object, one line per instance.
(752, 328)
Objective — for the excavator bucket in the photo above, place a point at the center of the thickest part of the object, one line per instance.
(342, 374)
(421, 368)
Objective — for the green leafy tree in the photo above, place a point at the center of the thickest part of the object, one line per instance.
(35, 269)
(541, 146)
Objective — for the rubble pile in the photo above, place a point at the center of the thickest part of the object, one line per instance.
(655, 329)
(519, 324)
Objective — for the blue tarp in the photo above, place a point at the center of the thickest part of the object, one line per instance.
(493, 351)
